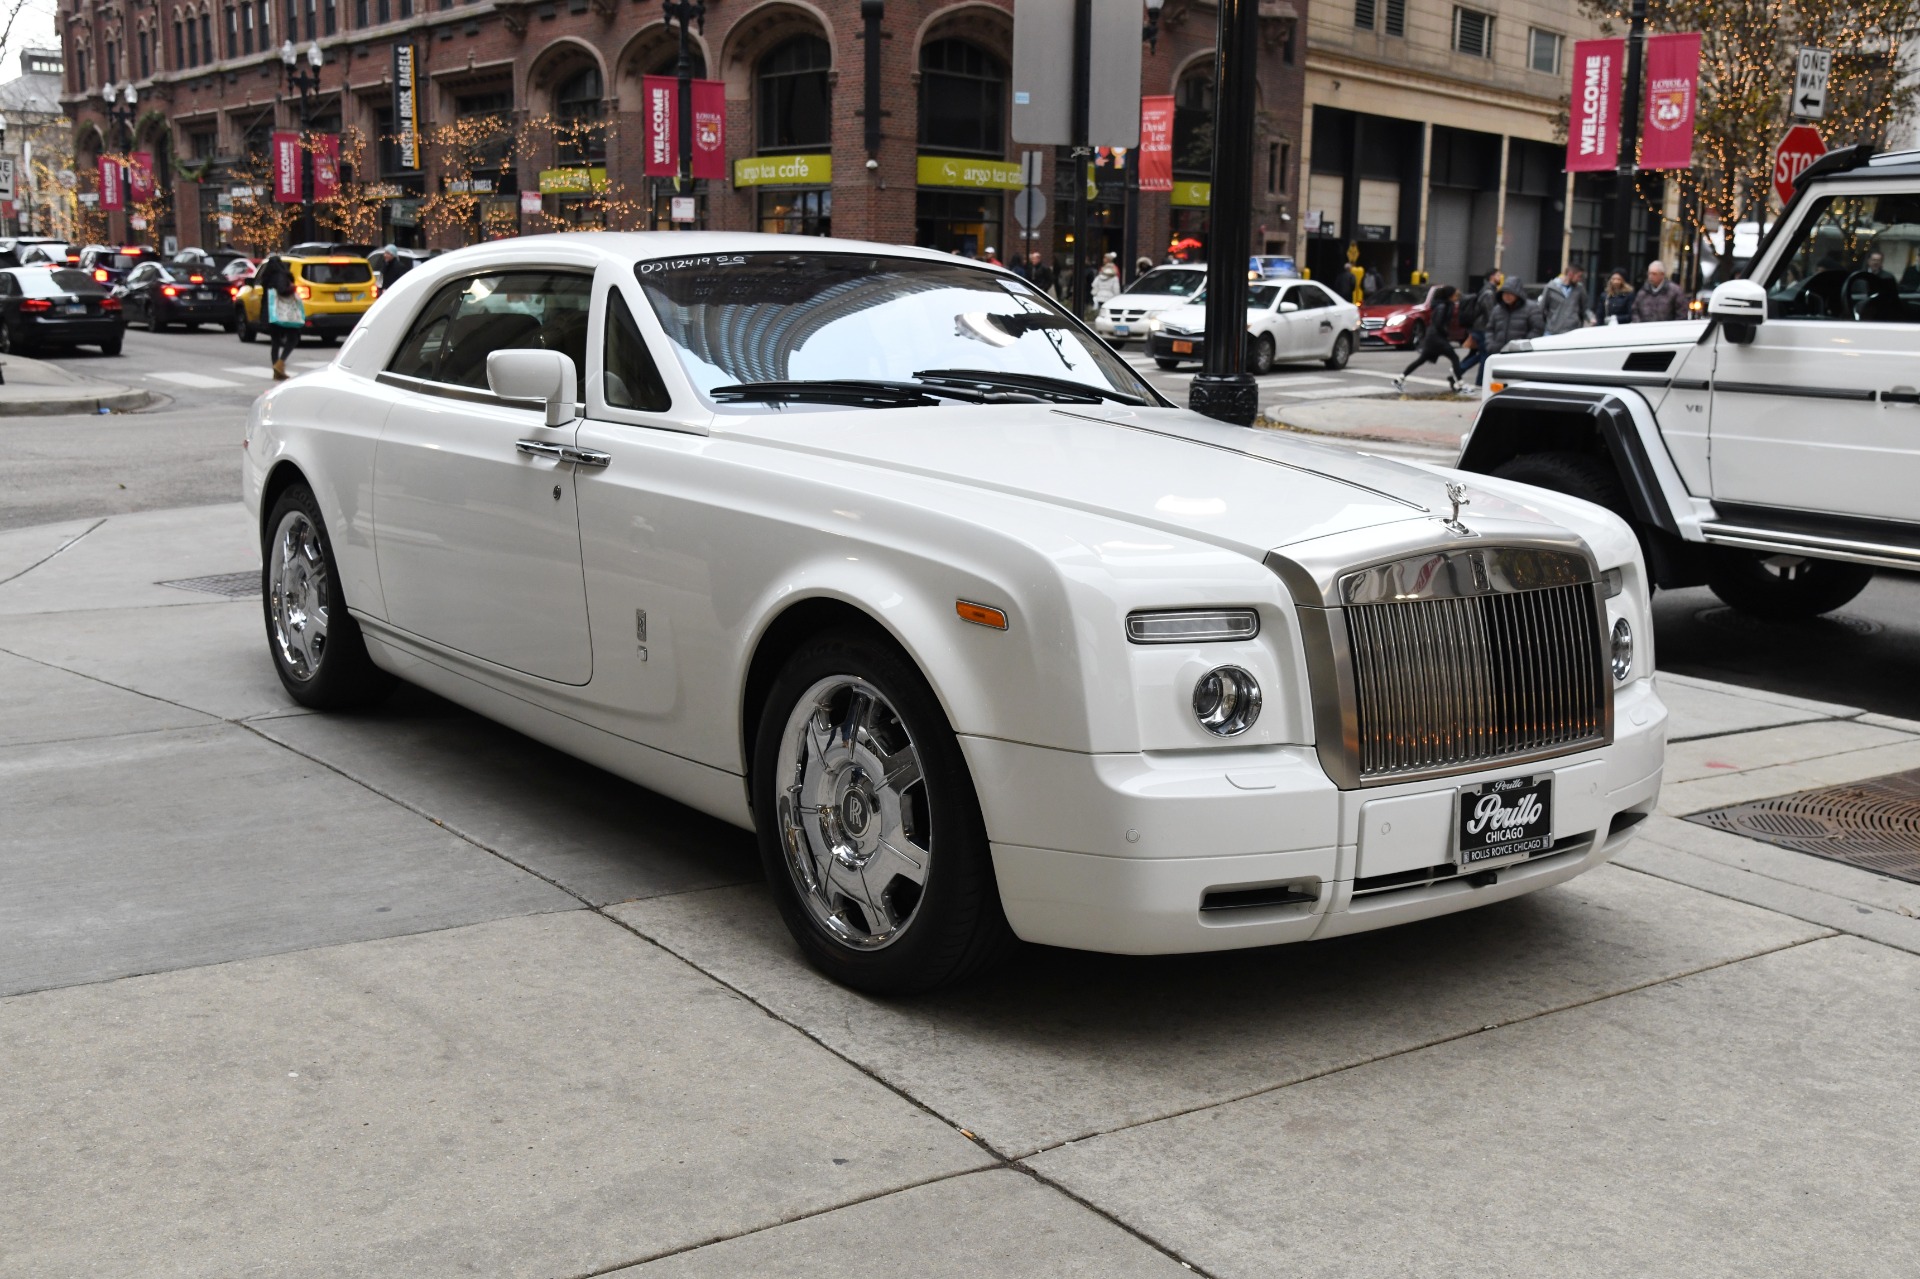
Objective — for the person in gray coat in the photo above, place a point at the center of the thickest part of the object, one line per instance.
(1514, 316)
(1659, 298)
(1564, 300)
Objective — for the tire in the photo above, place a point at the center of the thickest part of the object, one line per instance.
(1341, 353)
(315, 644)
(245, 327)
(1783, 588)
(6, 338)
(112, 345)
(1578, 475)
(229, 324)
(1260, 358)
(899, 937)
(1166, 364)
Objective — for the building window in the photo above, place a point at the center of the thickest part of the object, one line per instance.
(179, 45)
(146, 55)
(963, 92)
(1472, 32)
(330, 17)
(113, 62)
(262, 12)
(577, 111)
(383, 10)
(797, 212)
(1193, 123)
(206, 36)
(962, 222)
(406, 8)
(1363, 14)
(1397, 17)
(359, 13)
(1543, 51)
(233, 32)
(794, 112)
(1279, 160)
(311, 20)
(246, 29)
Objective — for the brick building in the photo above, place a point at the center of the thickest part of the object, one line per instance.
(210, 91)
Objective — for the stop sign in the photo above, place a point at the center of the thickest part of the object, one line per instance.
(1801, 147)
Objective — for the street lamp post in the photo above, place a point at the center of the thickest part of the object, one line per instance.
(304, 81)
(1224, 389)
(122, 103)
(687, 13)
(1626, 186)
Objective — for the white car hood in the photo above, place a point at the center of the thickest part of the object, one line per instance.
(1188, 316)
(1599, 336)
(1144, 301)
(1249, 490)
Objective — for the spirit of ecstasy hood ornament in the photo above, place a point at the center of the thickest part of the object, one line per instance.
(1457, 494)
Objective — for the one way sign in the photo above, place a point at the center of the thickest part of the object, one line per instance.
(1810, 84)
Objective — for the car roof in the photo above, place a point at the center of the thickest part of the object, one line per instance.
(640, 246)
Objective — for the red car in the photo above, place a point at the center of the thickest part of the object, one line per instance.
(1398, 316)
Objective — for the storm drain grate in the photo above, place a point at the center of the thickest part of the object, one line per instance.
(1873, 824)
(235, 586)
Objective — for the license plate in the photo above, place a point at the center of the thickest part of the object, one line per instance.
(74, 310)
(1504, 819)
(1121, 330)
(343, 297)
(1183, 348)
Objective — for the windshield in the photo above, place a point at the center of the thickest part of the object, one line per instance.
(1399, 295)
(1261, 297)
(780, 317)
(1179, 284)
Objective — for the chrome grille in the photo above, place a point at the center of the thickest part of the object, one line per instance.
(1458, 682)
(1373, 322)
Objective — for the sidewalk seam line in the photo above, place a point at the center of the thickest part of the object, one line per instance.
(63, 546)
(1832, 929)
(1792, 723)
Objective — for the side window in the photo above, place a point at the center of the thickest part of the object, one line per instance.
(632, 379)
(1852, 259)
(1309, 296)
(472, 317)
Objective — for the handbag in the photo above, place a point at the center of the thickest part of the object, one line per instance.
(285, 310)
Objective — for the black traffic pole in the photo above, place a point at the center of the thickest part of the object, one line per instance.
(1626, 192)
(1223, 389)
(686, 13)
(1080, 151)
(303, 82)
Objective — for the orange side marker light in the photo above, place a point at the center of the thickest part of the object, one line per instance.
(980, 614)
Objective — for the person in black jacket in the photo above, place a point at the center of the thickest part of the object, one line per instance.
(1441, 305)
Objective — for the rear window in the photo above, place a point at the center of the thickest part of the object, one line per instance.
(124, 261)
(336, 272)
(45, 284)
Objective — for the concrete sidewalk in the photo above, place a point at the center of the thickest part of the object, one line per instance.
(301, 994)
(37, 388)
(1431, 425)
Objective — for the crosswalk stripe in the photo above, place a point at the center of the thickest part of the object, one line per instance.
(249, 370)
(199, 381)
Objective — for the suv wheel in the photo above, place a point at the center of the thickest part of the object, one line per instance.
(870, 831)
(1578, 475)
(1784, 587)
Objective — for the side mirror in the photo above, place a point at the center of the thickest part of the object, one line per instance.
(1739, 305)
(1287, 308)
(547, 376)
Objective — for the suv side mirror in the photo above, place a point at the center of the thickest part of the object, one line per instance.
(1739, 305)
(547, 376)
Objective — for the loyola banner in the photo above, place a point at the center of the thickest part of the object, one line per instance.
(1673, 72)
(1156, 144)
(660, 114)
(1593, 121)
(326, 165)
(140, 176)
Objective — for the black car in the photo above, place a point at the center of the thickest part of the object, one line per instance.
(110, 266)
(158, 295)
(59, 307)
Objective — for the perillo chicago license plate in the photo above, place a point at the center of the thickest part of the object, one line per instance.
(1510, 818)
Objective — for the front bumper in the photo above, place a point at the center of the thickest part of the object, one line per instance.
(82, 330)
(1386, 337)
(1160, 346)
(333, 321)
(1116, 853)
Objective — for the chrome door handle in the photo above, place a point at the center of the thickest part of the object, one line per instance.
(564, 453)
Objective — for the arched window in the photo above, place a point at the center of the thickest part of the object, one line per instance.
(1193, 123)
(794, 108)
(578, 108)
(963, 94)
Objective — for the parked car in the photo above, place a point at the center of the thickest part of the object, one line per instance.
(1398, 316)
(160, 295)
(336, 292)
(886, 555)
(63, 307)
(329, 249)
(1130, 315)
(15, 250)
(237, 271)
(53, 253)
(110, 266)
(1286, 322)
(1766, 449)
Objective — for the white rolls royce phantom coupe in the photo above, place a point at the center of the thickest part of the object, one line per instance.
(883, 555)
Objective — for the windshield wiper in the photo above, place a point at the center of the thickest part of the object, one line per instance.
(1061, 390)
(871, 393)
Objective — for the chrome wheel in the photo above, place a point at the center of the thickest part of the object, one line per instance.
(853, 820)
(297, 596)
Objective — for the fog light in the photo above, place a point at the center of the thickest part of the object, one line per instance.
(1622, 649)
(1226, 701)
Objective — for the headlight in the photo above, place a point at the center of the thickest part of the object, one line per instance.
(1226, 701)
(1153, 324)
(1622, 649)
(1397, 319)
(1518, 345)
(1193, 626)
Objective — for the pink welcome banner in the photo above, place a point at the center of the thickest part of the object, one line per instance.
(1593, 122)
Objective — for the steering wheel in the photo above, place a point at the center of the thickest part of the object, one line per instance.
(1857, 305)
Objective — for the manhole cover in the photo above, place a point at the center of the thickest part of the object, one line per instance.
(1874, 824)
(234, 586)
(1728, 619)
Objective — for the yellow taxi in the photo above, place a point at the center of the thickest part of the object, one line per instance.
(335, 291)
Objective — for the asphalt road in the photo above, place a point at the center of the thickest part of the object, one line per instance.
(185, 452)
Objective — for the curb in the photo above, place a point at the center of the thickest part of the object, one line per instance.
(110, 399)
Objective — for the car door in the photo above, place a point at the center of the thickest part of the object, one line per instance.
(1291, 327)
(135, 297)
(1820, 411)
(476, 527)
(1325, 319)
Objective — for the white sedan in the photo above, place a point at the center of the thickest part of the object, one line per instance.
(883, 555)
(1286, 321)
(1131, 313)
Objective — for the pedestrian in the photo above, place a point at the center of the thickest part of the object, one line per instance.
(993, 258)
(1473, 314)
(1617, 303)
(1106, 281)
(1564, 301)
(281, 311)
(1037, 272)
(1435, 343)
(1659, 298)
(1142, 265)
(1514, 316)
